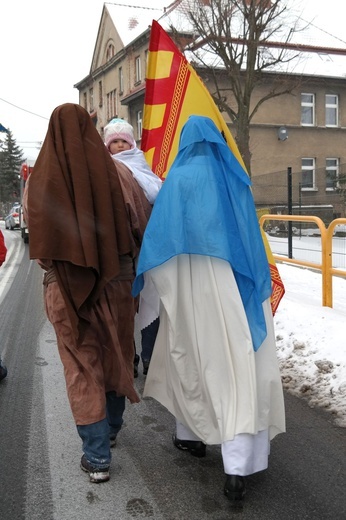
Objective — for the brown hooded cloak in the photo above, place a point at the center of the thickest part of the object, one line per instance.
(76, 210)
(86, 217)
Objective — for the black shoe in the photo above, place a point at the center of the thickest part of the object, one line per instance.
(196, 448)
(234, 488)
(3, 371)
(96, 475)
(145, 367)
(135, 365)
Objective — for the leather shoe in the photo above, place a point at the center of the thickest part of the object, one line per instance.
(135, 365)
(234, 487)
(145, 367)
(3, 371)
(196, 448)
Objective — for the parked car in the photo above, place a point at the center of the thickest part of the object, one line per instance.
(12, 220)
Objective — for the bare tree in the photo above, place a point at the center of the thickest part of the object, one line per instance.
(238, 41)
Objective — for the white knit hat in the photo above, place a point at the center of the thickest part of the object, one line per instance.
(119, 129)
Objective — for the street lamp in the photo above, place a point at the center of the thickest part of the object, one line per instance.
(282, 133)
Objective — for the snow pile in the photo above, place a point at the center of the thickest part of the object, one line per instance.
(311, 341)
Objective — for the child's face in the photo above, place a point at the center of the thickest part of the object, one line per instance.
(119, 145)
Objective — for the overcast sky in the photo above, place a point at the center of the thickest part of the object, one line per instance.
(47, 47)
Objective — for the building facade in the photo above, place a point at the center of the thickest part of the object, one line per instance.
(300, 135)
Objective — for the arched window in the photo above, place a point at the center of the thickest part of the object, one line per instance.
(110, 51)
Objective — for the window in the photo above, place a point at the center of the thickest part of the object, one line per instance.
(308, 109)
(100, 94)
(332, 174)
(110, 52)
(332, 110)
(112, 105)
(121, 80)
(139, 124)
(91, 99)
(308, 173)
(85, 101)
(138, 71)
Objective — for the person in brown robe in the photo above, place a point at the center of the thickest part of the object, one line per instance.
(86, 216)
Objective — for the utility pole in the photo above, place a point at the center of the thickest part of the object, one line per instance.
(289, 206)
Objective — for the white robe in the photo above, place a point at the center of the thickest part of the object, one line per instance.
(203, 368)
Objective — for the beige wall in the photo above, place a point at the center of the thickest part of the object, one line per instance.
(270, 156)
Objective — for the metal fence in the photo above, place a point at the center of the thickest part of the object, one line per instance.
(327, 251)
(318, 192)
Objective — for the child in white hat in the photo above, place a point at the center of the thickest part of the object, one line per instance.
(119, 140)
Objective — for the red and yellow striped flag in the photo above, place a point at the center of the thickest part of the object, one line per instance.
(173, 92)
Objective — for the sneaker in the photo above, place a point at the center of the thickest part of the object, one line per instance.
(3, 371)
(96, 475)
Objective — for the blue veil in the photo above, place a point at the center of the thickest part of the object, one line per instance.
(206, 207)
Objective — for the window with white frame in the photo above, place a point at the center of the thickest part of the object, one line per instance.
(332, 173)
(308, 109)
(112, 105)
(139, 124)
(121, 80)
(332, 109)
(308, 173)
(138, 70)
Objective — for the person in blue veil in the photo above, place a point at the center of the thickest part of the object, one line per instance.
(214, 364)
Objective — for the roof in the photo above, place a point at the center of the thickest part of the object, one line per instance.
(132, 18)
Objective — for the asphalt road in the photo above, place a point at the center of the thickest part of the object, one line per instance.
(40, 450)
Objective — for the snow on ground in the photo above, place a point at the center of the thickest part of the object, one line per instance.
(311, 340)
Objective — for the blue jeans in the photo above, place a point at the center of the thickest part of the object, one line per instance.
(95, 436)
(115, 409)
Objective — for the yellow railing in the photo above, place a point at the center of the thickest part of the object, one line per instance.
(325, 266)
